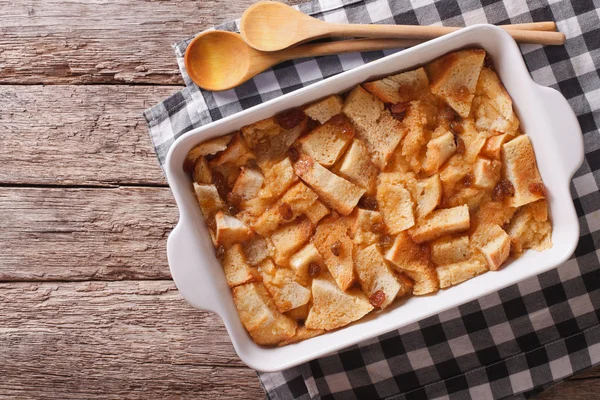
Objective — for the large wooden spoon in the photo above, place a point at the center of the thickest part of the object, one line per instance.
(219, 60)
(272, 26)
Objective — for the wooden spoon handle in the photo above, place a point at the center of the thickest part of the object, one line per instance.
(549, 26)
(431, 32)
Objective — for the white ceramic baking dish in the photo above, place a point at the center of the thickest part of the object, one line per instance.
(545, 116)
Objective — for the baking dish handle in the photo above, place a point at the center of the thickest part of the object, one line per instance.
(195, 283)
(564, 121)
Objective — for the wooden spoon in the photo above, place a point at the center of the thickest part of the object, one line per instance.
(219, 60)
(272, 26)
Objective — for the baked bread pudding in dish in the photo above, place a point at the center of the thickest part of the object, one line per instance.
(402, 186)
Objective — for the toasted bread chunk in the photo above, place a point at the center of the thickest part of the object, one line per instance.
(209, 147)
(248, 184)
(209, 199)
(287, 293)
(236, 153)
(316, 212)
(374, 125)
(450, 249)
(367, 227)
(487, 173)
(229, 171)
(400, 88)
(374, 275)
(453, 274)
(332, 307)
(296, 201)
(202, 172)
(230, 229)
(301, 261)
(277, 179)
(327, 142)
(256, 249)
(428, 195)
(493, 146)
(289, 238)
(302, 333)
(334, 190)
(413, 260)
(492, 105)
(521, 170)
(265, 324)
(299, 313)
(528, 229)
(396, 206)
(497, 249)
(491, 213)
(332, 241)
(419, 120)
(324, 109)
(454, 78)
(356, 166)
(439, 150)
(270, 141)
(474, 141)
(440, 223)
(237, 270)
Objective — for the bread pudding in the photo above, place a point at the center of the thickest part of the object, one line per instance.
(403, 186)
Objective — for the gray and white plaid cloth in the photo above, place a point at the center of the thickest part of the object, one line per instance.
(515, 342)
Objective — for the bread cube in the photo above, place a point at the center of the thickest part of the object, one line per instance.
(236, 153)
(256, 250)
(209, 200)
(230, 229)
(492, 105)
(400, 88)
(453, 274)
(334, 190)
(420, 118)
(229, 171)
(474, 141)
(367, 227)
(287, 293)
(299, 313)
(528, 229)
(327, 142)
(487, 173)
(302, 333)
(454, 78)
(396, 206)
(332, 307)
(248, 184)
(356, 166)
(316, 212)
(428, 195)
(439, 150)
(202, 173)
(521, 170)
(301, 261)
(236, 268)
(277, 179)
(497, 249)
(289, 238)
(332, 241)
(450, 250)
(209, 147)
(324, 109)
(374, 275)
(440, 223)
(265, 324)
(270, 141)
(374, 125)
(493, 146)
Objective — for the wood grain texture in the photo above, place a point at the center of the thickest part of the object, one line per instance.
(75, 135)
(102, 41)
(79, 234)
(114, 340)
(572, 389)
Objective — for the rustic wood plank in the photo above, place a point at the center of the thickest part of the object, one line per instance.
(79, 234)
(77, 135)
(114, 340)
(593, 372)
(572, 389)
(102, 41)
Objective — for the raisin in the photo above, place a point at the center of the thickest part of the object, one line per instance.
(448, 114)
(377, 298)
(468, 180)
(314, 270)
(456, 127)
(234, 198)
(220, 252)
(368, 203)
(537, 188)
(378, 227)
(385, 241)
(252, 163)
(290, 119)
(398, 110)
(462, 92)
(489, 62)
(220, 183)
(336, 248)
(212, 225)
(460, 145)
(232, 210)
(503, 189)
(285, 210)
(294, 154)
(188, 165)
(342, 122)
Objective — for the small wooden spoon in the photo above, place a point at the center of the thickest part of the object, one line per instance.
(219, 60)
(272, 26)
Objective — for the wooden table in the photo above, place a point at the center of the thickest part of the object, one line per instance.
(87, 305)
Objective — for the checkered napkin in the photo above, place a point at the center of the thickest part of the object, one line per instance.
(515, 342)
